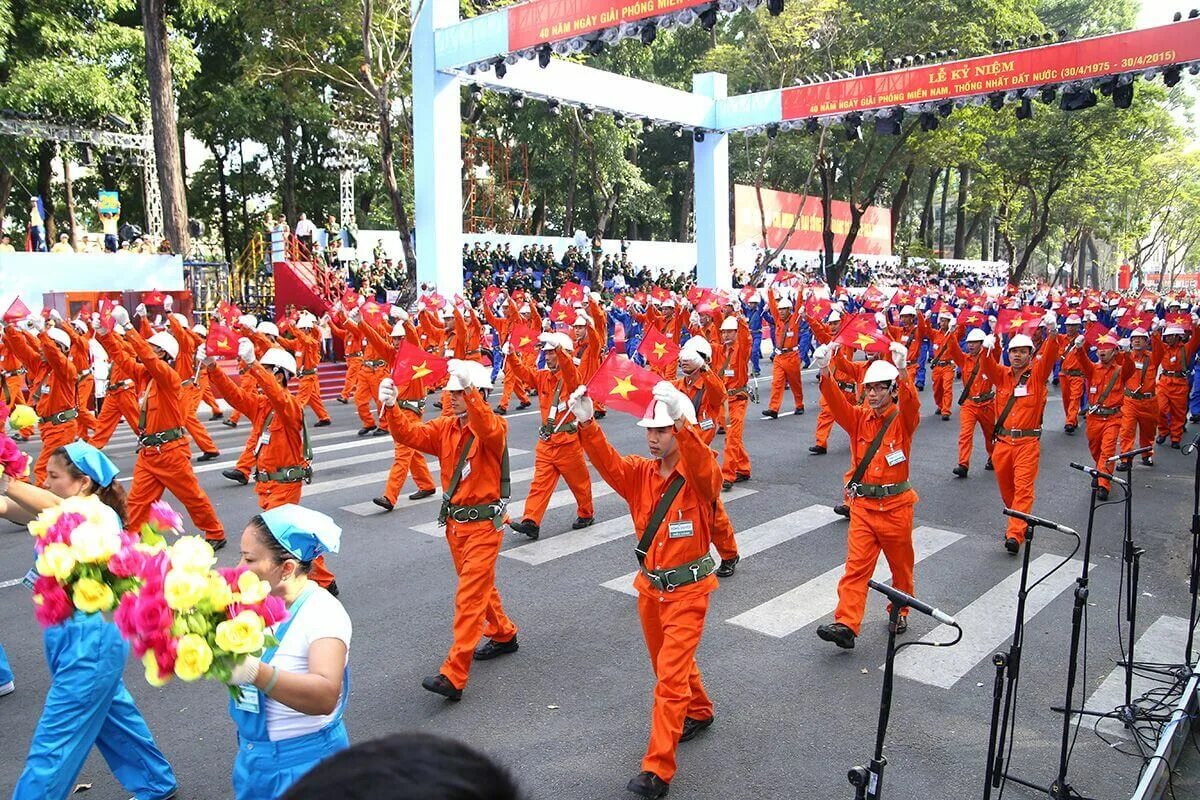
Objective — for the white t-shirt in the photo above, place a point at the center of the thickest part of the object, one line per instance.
(321, 617)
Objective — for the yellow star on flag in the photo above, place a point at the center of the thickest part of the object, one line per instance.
(862, 340)
(222, 343)
(660, 349)
(1017, 321)
(524, 341)
(421, 370)
(624, 387)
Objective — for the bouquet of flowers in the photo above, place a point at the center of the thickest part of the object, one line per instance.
(13, 462)
(22, 417)
(192, 621)
(84, 561)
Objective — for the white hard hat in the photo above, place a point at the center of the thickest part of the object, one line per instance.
(881, 371)
(268, 328)
(167, 343)
(729, 324)
(945, 315)
(1173, 330)
(306, 322)
(656, 416)
(181, 319)
(698, 345)
(248, 320)
(1073, 319)
(581, 319)
(1020, 340)
(1139, 332)
(60, 336)
(278, 357)
(398, 329)
(784, 302)
(80, 325)
(199, 330)
(834, 315)
(907, 310)
(524, 308)
(1118, 313)
(668, 303)
(976, 335)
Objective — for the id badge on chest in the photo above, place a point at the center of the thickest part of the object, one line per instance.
(264, 438)
(679, 530)
(1021, 391)
(247, 700)
(895, 457)
(466, 470)
(30, 578)
(706, 424)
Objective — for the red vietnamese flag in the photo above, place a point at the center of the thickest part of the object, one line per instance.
(622, 385)
(1179, 318)
(783, 276)
(373, 312)
(707, 306)
(414, 364)
(748, 293)
(874, 299)
(434, 301)
(696, 295)
(153, 298)
(571, 292)
(349, 298)
(221, 341)
(656, 348)
(640, 298)
(1093, 331)
(523, 339)
(620, 302)
(860, 332)
(660, 294)
(561, 313)
(490, 294)
(227, 312)
(1142, 320)
(1018, 320)
(106, 317)
(971, 319)
(817, 307)
(16, 312)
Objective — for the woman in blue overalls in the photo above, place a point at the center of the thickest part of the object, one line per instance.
(289, 707)
(88, 703)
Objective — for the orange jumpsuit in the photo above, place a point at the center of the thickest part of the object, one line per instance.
(975, 402)
(376, 365)
(1173, 387)
(911, 338)
(707, 393)
(942, 369)
(474, 545)
(1105, 399)
(120, 402)
(54, 396)
(504, 326)
(85, 384)
(185, 365)
(672, 621)
(12, 382)
(558, 454)
(785, 368)
(308, 356)
(1070, 382)
(354, 357)
(877, 523)
(1018, 447)
(167, 466)
(845, 377)
(670, 325)
(735, 461)
(1139, 413)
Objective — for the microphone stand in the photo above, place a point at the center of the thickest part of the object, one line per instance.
(1194, 577)
(868, 781)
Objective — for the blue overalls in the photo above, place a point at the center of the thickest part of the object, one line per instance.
(754, 319)
(262, 769)
(6, 675)
(89, 705)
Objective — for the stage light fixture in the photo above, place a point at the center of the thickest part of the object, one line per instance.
(594, 47)
(1106, 88)
(472, 69)
(775, 7)
(996, 100)
(1195, 12)
(501, 68)
(1063, 35)
(772, 131)
(1194, 68)
(890, 125)
(1008, 43)
(554, 108)
(647, 124)
(1047, 94)
(997, 44)
(1020, 41)
(1172, 74)
(698, 135)
(708, 17)
(953, 52)
(677, 132)
(648, 33)
(476, 94)
(929, 122)
(543, 56)
(1177, 16)
(1047, 37)
(909, 61)
(853, 128)
(1025, 109)
(518, 100)
(619, 120)
(1077, 100)
(811, 125)
(587, 113)
(1122, 95)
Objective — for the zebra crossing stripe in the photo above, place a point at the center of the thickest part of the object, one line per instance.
(987, 623)
(817, 598)
(368, 508)
(571, 542)
(756, 539)
(383, 452)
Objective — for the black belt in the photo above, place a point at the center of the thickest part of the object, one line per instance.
(485, 511)
(983, 398)
(548, 430)
(1174, 374)
(877, 490)
(784, 349)
(1103, 411)
(13, 373)
(125, 384)
(82, 374)
(161, 438)
(668, 580)
(373, 363)
(188, 382)
(415, 406)
(848, 388)
(295, 474)
(1035, 433)
(1073, 373)
(60, 417)
(1139, 395)
(937, 363)
(304, 373)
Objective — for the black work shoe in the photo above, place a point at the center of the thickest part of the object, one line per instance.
(1174, 445)
(333, 589)
(769, 413)
(726, 486)
(839, 634)
(945, 417)
(207, 457)
(524, 405)
(343, 400)
(741, 477)
(440, 684)
(920, 387)
(647, 784)
(235, 475)
(901, 625)
(817, 450)
(1148, 461)
(1012, 545)
(600, 413)
(384, 503)
(728, 565)
(493, 649)
(365, 430)
(323, 423)
(960, 470)
(229, 423)
(501, 410)
(381, 432)
(798, 411)
(217, 415)
(421, 494)
(1102, 494)
(693, 726)
(1124, 466)
(1160, 439)
(1070, 429)
(527, 527)
(582, 522)
(842, 509)
(989, 466)
(217, 544)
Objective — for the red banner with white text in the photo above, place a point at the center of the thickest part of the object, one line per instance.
(1096, 57)
(540, 21)
(780, 208)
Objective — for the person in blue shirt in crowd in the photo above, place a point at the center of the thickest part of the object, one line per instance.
(755, 316)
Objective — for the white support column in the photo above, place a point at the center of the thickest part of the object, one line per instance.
(711, 159)
(437, 153)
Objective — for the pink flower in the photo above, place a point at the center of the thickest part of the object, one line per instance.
(51, 605)
(154, 572)
(12, 460)
(129, 539)
(164, 654)
(273, 610)
(151, 615)
(127, 563)
(163, 517)
(231, 575)
(60, 531)
(123, 616)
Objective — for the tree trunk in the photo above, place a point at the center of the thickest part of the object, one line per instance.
(69, 191)
(942, 214)
(961, 234)
(572, 184)
(900, 198)
(222, 158)
(985, 237)
(925, 232)
(288, 189)
(44, 186)
(242, 181)
(6, 182)
(399, 212)
(1001, 214)
(828, 170)
(162, 113)
(685, 205)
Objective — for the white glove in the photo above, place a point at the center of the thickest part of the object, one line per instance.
(395, 311)
(880, 319)
(388, 393)
(37, 323)
(1051, 319)
(95, 320)
(201, 353)
(245, 672)
(581, 405)
(692, 360)
(694, 320)
(506, 349)
(899, 355)
(821, 356)
(677, 403)
(460, 370)
(353, 315)
(168, 302)
(120, 315)
(140, 311)
(989, 341)
(1124, 345)
(158, 321)
(1079, 341)
(246, 351)
(54, 315)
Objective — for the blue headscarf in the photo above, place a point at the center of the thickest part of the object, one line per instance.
(303, 532)
(93, 463)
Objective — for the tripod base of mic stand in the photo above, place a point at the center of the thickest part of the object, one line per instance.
(1053, 791)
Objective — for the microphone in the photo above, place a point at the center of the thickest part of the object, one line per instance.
(1190, 448)
(1131, 453)
(1044, 523)
(1095, 473)
(899, 598)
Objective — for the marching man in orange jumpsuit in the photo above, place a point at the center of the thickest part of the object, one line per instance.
(845, 378)
(1139, 413)
(1020, 403)
(308, 355)
(120, 402)
(1173, 383)
(164, 457)
(736, 342)
(54, 396)
(1070, 375)
(513, 316)
(881, 497)
(558, 453)
(785, 368)
(975, 400)
(375, 368)
(1105, 399)
(671, 498)
(185, 365)
(353, 349)
(471, 445)
(942, 363)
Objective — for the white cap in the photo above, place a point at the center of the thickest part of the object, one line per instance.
(881, 371)
(697, 345)
(1073, 319)
(581, 319)
(656, 416)
(80, 325)
(1118, 313)
(278, 357)
(248, 320)
(398, 329)
(1020, 340)
(834, 315)
(524, 308)
(907, 310)
(1139, 332)
(199, 330)
(268, 328)
(976, 335)
(554, 341)
(945, 315)
(446, 313)
(181, 319)
(306, 322)
(668, 303)
(1173, 330)
(166, 342)
(729, 324)
(60, 336)
(784, 302)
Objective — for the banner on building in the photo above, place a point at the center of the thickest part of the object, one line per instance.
(779, 209)
(542, 21)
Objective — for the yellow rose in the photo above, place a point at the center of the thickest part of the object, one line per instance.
(39, 526)
(183, 589)
(252, 589)
(152, 675)
(219, 593)
(243, 634)
(56, 561)
(94, 544)
(22, 416)
(193, 657)
(91, 595)
(192, 554)
(92, 508)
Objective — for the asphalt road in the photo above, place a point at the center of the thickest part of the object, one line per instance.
(569, 713)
